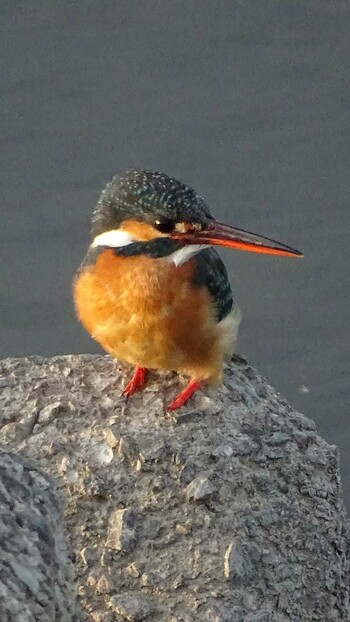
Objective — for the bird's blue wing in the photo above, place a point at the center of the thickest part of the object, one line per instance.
(210, 272)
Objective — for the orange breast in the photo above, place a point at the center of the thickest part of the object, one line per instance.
(147, 312)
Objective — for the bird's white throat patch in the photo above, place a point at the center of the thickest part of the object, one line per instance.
(116, 238)
(184, 254)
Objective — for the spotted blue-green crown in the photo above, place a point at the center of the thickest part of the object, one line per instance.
(146, 196)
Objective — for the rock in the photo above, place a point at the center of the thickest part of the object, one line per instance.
(241, 562)
(230, 511)
(36, 574)
(132, 607)
(121, 534)
(199, 488)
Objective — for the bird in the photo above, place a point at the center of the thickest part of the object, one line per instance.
(152, 289)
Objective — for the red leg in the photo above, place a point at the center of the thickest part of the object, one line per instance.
(182, 398)
(137, 381)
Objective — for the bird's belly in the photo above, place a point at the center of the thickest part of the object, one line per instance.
(149, 313)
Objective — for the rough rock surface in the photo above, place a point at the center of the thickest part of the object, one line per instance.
(35, 570)
(230, 512)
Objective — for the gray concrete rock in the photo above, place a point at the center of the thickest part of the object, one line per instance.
(229, 511)
(36, 574)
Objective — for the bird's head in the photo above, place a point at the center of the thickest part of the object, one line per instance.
(146, 212)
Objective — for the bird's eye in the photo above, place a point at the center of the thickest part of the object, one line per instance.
(164, 225)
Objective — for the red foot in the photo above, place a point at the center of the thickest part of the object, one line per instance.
(182, 398)
(137, 381)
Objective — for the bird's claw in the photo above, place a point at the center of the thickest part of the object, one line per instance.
(136, 383)
(182, 398)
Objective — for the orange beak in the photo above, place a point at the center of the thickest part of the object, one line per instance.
(219, 234)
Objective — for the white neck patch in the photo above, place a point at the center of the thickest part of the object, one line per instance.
(184, 254)
(114, 238)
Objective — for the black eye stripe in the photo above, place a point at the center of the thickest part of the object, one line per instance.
(164, 225)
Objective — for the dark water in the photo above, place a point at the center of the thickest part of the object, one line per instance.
(247, 101)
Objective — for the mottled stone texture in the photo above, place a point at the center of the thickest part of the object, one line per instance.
(230, 512)
(35, 569)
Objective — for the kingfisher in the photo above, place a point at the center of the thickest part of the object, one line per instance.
(152, 290)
